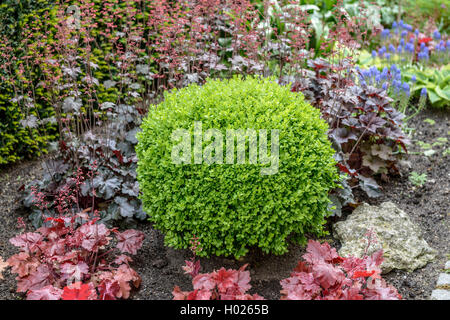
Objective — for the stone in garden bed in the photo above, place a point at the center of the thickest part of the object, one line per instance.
(401, 239)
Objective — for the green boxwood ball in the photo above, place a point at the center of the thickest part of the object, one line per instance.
(232, 207)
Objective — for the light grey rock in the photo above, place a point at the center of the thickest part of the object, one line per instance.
(443, 280)
(440, 294)
(447, 265)
(401, 240)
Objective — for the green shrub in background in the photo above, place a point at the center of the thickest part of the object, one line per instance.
(39, 18)
(233, 207)
(420, 12)
(16, 141)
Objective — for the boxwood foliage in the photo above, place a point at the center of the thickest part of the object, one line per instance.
(233, 207)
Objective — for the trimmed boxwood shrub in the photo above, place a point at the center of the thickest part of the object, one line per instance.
(233, 207)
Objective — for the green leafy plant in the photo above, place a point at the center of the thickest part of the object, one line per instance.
(421, 11)
(431, 122)
(418, 179)
(231, 207)
(446, 152)
(436, 82)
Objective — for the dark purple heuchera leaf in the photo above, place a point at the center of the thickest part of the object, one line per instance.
(343, 135)
(396, 117)
(372, 122)
(352, 122)
(56, 167)
(370, 186)
(107, 187)
(126, 209)
(356, 115)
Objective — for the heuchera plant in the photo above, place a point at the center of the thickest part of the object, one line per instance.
(72, 256)
(218, 285)
(324, 275)
(366, 130)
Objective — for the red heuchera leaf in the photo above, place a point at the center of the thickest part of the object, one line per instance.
(42, 277)
(79, 291)
(317, 252)
(74, 247)
(108, 290)
(93, 236)
(204, 281)
(130, 241)
(123, 259)
(46, 293)
(225, 279)
(23, 264)
(301, 286)
(219, 285)
(199, 295)
(249, 297)
(192, 267)
(178, 294)
(302, 267)
(54, 248)
(28, 242)
(123, 276)
(74, 271)
(327, 276)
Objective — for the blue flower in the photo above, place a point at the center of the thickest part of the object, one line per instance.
(436, 35)
(385, 33)
(394, 25)
(399, 49)
(402, 42)
(423, 55)
(409, 47)
(384, 73)
(388, 56)
(413, 78)
(385, 86)
(423, 92)
(404, 33)
(391, 48)
(405, 87)
(365, 73)
(374, 54)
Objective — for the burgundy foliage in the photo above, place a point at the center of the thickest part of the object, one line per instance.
(324, 275)
(73, 256)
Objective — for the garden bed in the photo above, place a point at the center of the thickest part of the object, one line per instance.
(160, 266)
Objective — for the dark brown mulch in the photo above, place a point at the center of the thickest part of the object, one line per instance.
(160, 267)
